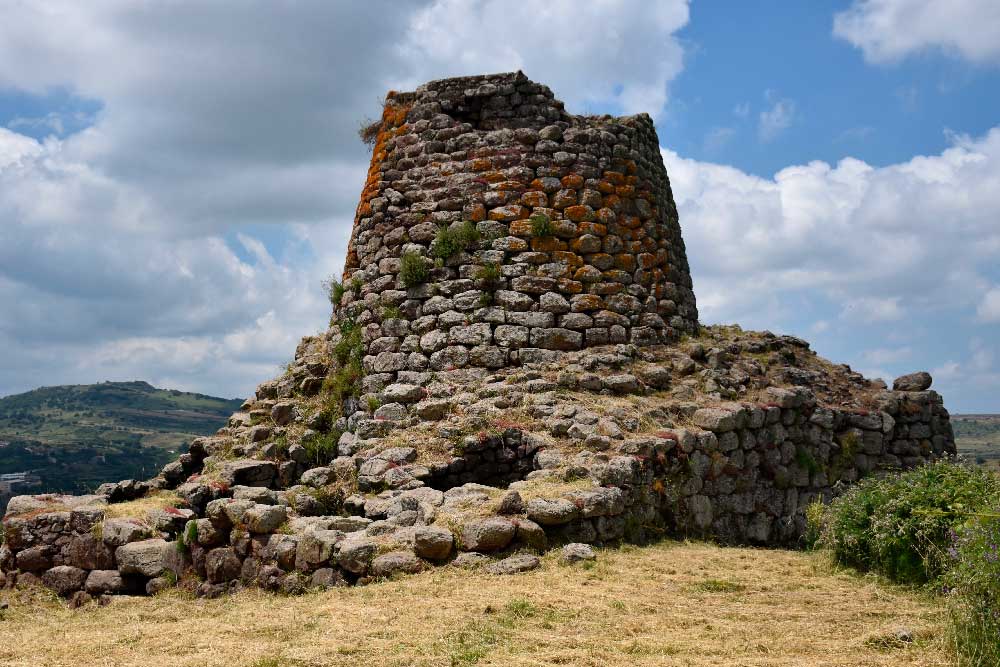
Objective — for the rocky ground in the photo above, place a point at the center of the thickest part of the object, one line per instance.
(728, 435)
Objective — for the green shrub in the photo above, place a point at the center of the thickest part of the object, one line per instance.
(541, 226)
(974, 581)
(413, 269)
(391, 313)
(453, 240)
(321, 448)
(902, 525)
(335, 290)
(489, 274)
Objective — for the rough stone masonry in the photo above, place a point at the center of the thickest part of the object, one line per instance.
(513, 362)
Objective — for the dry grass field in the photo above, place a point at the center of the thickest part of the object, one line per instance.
(668, 604)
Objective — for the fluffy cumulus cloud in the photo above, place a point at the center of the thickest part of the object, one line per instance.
(182, 235)
(889, 30)
(581, 50)
(889, 249)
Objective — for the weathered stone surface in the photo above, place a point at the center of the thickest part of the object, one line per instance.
(552, 512)
(514, 564)
(147, 558)
(116, 532)
(491, 534)
(64, 579)
(247, 472)
(101, 582)
(356, 554)
(714, 419)
(576, 552)
(920, 381)
(433, 542)
(222, 565)
(395, 562)
(264, 518)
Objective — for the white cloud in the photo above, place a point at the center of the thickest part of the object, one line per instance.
(989, 307)
(888, 355)
(879, 242)
(890, 30)
(617, 53)
(873, 309)
(182, 237)
(777, 119)
(742, 110)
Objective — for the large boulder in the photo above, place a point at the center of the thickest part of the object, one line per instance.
(356, 554)
(919, 381)
(117, 532)
(248, 472)
(147, 558)
(64, 579)
(395, 561)
(222, 565)
(492, 534)
(433, 542)
(100, 582)
(316, 548)
(552, 512)
(264, 518)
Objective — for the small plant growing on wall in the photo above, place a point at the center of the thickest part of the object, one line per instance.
(413, 269)
(335, 290)
(489, 275)
(452, 240)
(541, 226)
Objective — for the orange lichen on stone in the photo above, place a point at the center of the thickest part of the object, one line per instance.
(481, 164)
(520, 228)
(508, 213)
(612, 201)
(535, 198)
(477, 213)
(595, 228)
(494, 177)
(605, 187)
(579, 213)
(569, 286)
(587, 302)
(572, 181)
(571, 259)
(615, 177)
(646, 260)
(547, 244)
(625, 262)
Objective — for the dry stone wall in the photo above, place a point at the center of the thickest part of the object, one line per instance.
(514, 362)
(495, 228)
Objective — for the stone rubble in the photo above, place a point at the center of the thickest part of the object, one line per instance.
(514, 363)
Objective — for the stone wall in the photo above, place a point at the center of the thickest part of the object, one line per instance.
(563, 231)
(513, 361)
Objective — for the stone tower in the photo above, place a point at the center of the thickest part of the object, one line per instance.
(495, 228)
(493, 382)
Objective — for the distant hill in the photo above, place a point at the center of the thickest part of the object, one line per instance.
(72, 438)
(978, 438)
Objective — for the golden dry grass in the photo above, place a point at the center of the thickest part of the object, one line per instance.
(141, 507)
(668, 604)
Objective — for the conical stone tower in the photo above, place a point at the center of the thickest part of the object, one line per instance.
(495, 228)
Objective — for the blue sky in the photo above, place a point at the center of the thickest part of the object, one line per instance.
(177, 179)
